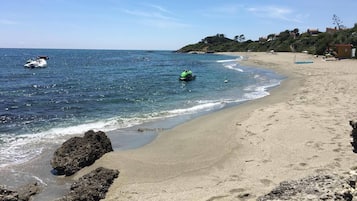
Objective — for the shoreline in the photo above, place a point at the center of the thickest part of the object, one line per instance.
(247, 150)
(190, 165)
(244, 151)
(122, 139)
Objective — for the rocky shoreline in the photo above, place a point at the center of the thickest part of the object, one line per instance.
(78, 152)
(316, 187)
(321, 186)
(23, 193)
(74, 154)
(92, 186)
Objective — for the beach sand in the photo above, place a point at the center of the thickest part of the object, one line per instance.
(243, 152)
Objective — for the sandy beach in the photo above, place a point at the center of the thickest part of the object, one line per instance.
(243, 152)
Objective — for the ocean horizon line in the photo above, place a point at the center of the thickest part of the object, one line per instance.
(110, 49)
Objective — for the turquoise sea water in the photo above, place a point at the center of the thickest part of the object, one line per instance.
(111, 90)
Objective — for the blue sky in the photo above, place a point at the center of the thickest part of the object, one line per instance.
(157, 24)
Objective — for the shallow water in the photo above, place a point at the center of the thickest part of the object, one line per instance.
(115, 91)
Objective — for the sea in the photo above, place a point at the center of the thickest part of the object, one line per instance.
(131, 95)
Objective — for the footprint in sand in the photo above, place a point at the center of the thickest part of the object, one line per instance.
(245, 196)
(217, 197)
(339, 86)
(242, 195)
(266, 181)
(309, 143)
(313, 157)
(234, 178)
(267, 161)
(315, 145)
(237, 190)
(303, 164)
(337, 159)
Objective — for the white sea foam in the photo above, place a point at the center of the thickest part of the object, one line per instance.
(232, 64)
(22, 148)
(201, 107)
(239, 58)
(255, 92)
(233, 67)
(18, 152)
(18, 149)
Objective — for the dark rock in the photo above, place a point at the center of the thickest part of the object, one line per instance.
(316, 187)
(8, 195)
(78, 152)
(353, 124)
(92, 186)
(24, 193)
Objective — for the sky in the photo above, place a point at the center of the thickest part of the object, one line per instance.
(158, 24)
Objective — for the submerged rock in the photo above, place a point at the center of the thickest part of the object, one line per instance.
(92, 186)
(24, 193)
(78, 152)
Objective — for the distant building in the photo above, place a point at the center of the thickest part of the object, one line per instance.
(262, 39)
(293, 34)
(344, 51)
(272, 37)
(331, 30)
(313, 32)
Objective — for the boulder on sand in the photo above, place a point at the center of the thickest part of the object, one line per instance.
(78, 152)
(92, 186)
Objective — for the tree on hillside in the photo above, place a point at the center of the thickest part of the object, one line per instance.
(220, 35)
(236, 38)
(337, 22)
(285, 41)
(296, 32)
(285, 35)
(239, 38)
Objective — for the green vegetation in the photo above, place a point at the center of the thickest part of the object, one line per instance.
(312, 41)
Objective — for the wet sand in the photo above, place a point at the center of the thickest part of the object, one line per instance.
(243, 152)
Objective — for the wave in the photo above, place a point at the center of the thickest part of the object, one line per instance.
(201, 107)
(17, 149)
(239, 58)
(256, 92)
(233, 67)
(232, 63)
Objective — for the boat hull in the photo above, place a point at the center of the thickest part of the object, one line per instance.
(38, 63)
(189, 78)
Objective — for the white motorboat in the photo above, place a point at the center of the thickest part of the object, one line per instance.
(39, 62)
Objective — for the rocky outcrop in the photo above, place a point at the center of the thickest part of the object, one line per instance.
(24, 193)
(317, 187)
(92, 186)
(353, 124)
(78, 152)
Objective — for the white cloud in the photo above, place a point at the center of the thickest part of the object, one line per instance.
(160, 8)
(275, 12)
(148, 14)
(156, 16)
